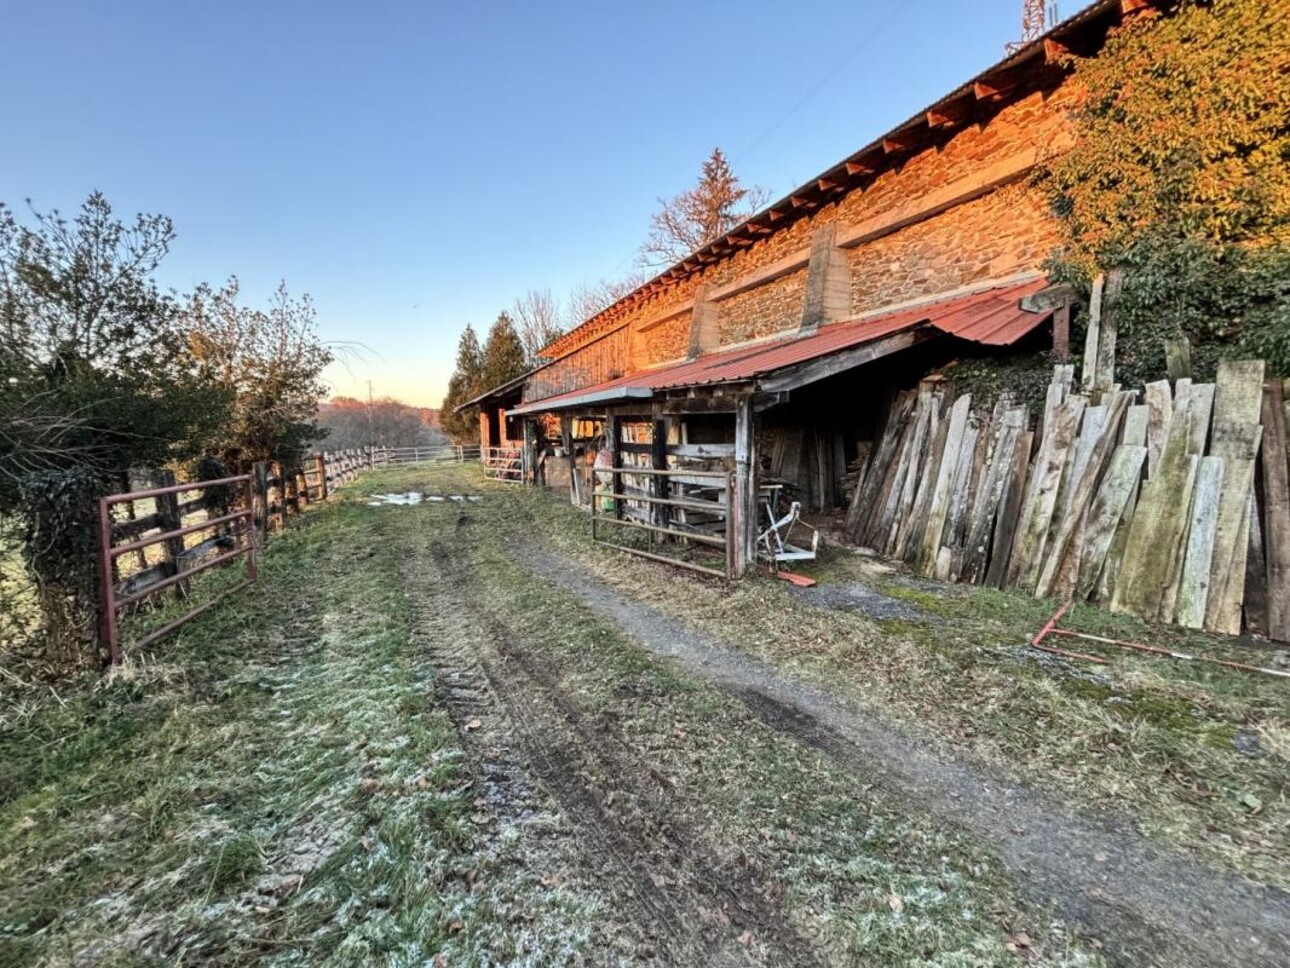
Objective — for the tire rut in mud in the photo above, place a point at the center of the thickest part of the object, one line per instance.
(1147, 903)
(679, 897)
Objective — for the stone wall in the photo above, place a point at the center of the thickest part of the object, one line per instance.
(1001, 234)
(764, 311)
(998, 234)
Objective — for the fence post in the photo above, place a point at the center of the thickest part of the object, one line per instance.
(168, 517)
(320, 461)
(662, 486)
(302, 487)
(613, 431)
(107, 596)
(260, 496)
(275, 470)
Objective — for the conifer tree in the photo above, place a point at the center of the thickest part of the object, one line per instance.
(504, 357)
(465, 383)
(697, 216)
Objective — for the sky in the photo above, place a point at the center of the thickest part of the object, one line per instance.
(417, 166)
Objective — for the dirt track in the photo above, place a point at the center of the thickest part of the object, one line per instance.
(679, 899)
(1146, 906)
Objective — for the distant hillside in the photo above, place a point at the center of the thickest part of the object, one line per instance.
(386, 422)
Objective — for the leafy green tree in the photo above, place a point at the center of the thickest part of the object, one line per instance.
(96, 377)
(270, 363)
(94, 365)
(465, 383)
(1181, 177)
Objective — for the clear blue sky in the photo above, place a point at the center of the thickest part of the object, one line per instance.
(417, 165)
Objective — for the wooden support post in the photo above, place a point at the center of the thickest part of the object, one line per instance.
(1092, 334)
(275, 475)
(1178, 359)
(743, 502)
(528, 464)
(260, 492)
(1062, 333)
(169, 519)
(566, 440)
(614, 441)
(1106, 341)
(658, 461)
(320, 461)
(1276, 502)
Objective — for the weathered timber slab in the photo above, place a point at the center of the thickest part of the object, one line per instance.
(1276, 511)
(1235, 432)
(1105, 513)
(939, 508)
(1160, 408)
(1050, 469)
(1193, 590)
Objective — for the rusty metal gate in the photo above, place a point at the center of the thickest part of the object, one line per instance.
(164, 526)
(685, 512)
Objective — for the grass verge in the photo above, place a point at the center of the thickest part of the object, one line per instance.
(274, 784)
(1194, 755)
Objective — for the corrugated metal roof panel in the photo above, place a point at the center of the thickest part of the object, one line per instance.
(991, 316)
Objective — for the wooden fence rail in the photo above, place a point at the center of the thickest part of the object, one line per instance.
(155, 537)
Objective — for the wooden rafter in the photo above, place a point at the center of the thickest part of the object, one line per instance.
(950, 114)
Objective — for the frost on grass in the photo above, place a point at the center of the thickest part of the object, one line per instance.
(282, 788)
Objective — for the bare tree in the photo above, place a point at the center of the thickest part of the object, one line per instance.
(537, 319)
(590, 298)
(702, 214)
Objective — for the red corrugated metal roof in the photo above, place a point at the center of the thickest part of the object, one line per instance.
(992, 316)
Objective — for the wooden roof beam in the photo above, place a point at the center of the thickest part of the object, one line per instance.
(996, 86)
(860, 167)
(1055, 51)
(801, 201)
(951, 114)
(903, 141)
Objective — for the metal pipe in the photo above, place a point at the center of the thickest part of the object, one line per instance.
(181, 576)
(666, 560)
(655, 529)
(1167, 653)
(119, 550)
(171, 626)
(712, 507)
(174, 489)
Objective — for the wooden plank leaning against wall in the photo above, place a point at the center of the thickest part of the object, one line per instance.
(1149, 507)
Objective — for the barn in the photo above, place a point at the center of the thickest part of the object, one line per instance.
(753, 375)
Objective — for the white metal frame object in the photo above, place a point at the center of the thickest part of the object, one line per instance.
(773, 542)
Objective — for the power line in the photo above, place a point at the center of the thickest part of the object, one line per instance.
(864, 42)
(837, 69)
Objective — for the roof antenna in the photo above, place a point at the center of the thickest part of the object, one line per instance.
(1037, 18)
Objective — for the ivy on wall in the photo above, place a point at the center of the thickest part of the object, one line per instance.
(1181, 177)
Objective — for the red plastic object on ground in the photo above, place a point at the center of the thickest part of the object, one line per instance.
(801, 581)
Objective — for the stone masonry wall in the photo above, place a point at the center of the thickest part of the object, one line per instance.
(669, 340)
(999, 234)
(763, 311)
